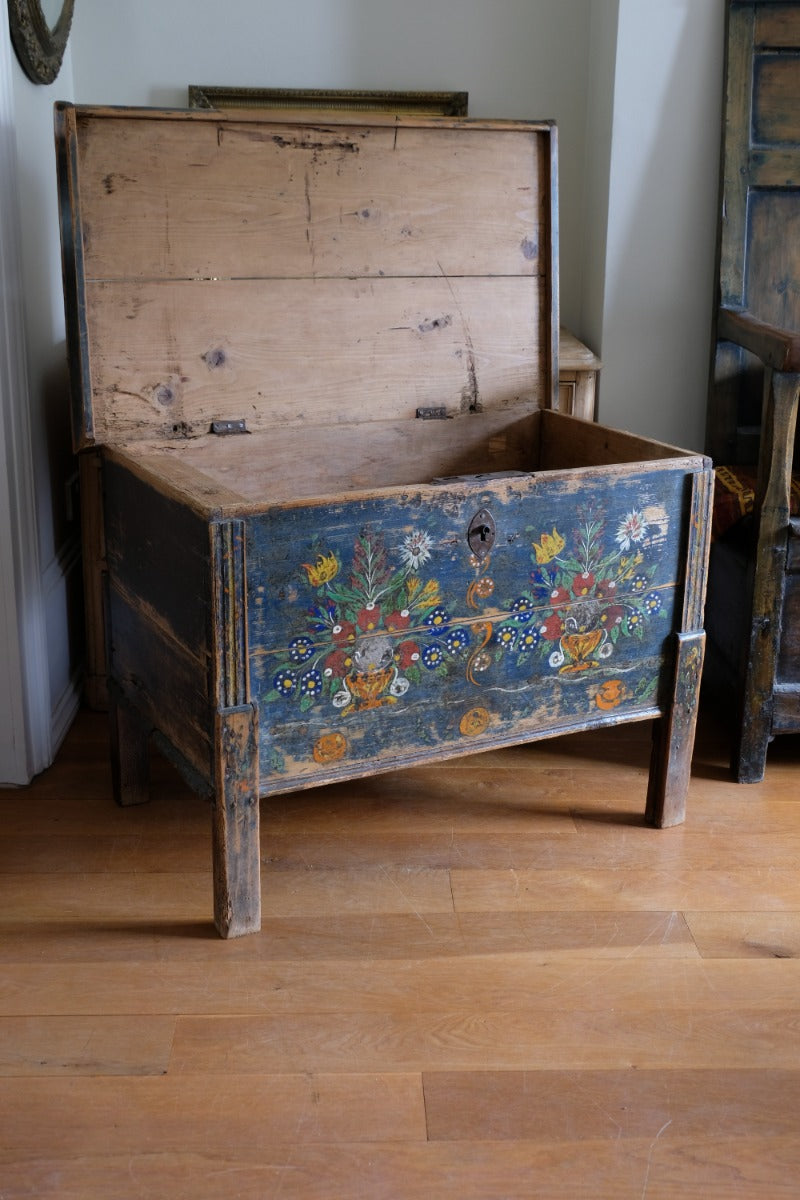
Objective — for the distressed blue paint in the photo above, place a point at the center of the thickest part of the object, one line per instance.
(375, 633)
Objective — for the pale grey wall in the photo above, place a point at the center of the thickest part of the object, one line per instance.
(597, 168)
(516, 58)
(662, 211)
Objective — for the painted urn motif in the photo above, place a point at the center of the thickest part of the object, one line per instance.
(374, 679)
(582, 643)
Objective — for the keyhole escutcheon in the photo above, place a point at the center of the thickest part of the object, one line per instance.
(481, 533)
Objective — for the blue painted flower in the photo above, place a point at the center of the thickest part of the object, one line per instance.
(285, 682)
(301, 649)
(543, 581)
(311, 683)
(528, 639)
(324, 618)
(432, 656)
(639, 583)
(634, 621)
(652, 602)
(506, 637)
(523, 609)
(437, 619)
(457, 640)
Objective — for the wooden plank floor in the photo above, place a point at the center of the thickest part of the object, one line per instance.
(482, 980)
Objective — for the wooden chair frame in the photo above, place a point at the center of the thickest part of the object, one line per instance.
(758, 273)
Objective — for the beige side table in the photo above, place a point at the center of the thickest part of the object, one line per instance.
(578, 369)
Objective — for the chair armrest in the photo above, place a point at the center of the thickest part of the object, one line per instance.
(777, 348)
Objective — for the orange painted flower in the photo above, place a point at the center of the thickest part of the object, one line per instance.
(550, 545)
(474, 722)
(611, 693)
(425, 597)
(329, 748)
(323, 570)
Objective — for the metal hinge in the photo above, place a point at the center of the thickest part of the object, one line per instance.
(224, 428)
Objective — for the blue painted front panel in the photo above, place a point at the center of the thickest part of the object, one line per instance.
(377, 636)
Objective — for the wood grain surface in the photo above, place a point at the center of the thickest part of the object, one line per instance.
(480, 979)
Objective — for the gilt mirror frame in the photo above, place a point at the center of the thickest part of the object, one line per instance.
(39, 44)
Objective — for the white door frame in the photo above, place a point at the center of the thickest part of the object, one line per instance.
(25, 725)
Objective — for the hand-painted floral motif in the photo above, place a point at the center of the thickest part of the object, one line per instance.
(581, 601)
(611, 693)
(474, 722)
(372, 635)
(330, 747)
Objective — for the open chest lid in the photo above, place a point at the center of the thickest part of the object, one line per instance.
(237, 270)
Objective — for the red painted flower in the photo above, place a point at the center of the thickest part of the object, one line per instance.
(583, 584)
(606, 589)
(552, 628)
(397, 621)
(343, 633)
(406, 654)
(612, 615)
(369, 618)
(559, 597)
(338, 663)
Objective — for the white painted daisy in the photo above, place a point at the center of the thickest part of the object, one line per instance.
(632, 529)
(416, 549)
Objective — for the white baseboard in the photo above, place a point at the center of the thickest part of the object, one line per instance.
(65, 710)
(66, 679)
(66, 560)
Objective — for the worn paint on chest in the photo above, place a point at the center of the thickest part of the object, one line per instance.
(377, 631)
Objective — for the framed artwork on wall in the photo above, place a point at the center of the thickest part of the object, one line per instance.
(443, 104)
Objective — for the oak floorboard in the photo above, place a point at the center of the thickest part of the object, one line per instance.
(657, 1168)
(98, 901)
(184, 895)
(762, 888)
(72, 854)
(498, 983)
(745, 935)
(85, 1045)
(109, 897)
(359, 1171)
(344, 937)
(612, 848)
(243, 1117)
(548, 1106)
(413, 847)
(465, 1039)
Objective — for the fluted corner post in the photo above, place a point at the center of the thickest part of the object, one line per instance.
(673, 733)
(235, 829)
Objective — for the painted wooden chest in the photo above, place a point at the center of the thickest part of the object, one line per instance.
(345, 530)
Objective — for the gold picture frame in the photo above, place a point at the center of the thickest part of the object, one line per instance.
(442, 104)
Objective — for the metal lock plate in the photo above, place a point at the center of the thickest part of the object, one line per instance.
(481, 533)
